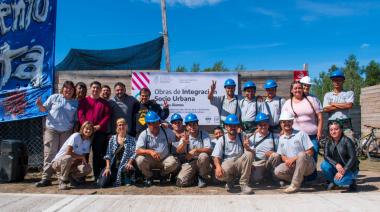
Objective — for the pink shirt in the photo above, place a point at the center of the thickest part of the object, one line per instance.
(95, 110)
(306, 119)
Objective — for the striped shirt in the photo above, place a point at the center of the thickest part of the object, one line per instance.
(342, 97)
(248, 109)
(226, 106)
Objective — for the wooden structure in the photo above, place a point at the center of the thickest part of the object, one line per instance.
(370, 108)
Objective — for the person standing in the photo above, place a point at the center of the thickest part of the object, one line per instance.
(250, 107)
(97, 111)
(273, 105)
(105, 93)
(149, 105)
(123, 106)
(62, 110)
(227, 104)
(338, 103)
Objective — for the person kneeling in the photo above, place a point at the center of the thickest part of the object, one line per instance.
(230, 157)
(119, 158)
(340, 166)
(296, 150)
(153, 149)
(196, 145)
(70, 162)
(263, 144)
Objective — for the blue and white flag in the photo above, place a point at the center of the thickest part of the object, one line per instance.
(27, 46)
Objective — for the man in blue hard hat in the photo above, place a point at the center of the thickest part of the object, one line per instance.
(228, 103)
(250, 107)
(153, 149)
(338, 103)
(178, 129)
(263, 144)
(196, 144)
(230, 158)
(273, 105)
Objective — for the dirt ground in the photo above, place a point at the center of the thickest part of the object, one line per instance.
(368, 181)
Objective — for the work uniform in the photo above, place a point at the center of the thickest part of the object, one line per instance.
(200, 163)
(226, 106)
(272, 108)
(262, 144)
(249, 110)
(162, 144)
(291, 146)
(234, 159)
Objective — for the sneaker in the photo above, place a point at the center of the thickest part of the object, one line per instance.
(163, 180)
(291, 189)
(229, 186)
(330, 186)
(281, 183)
(64, 186)
(127, 181)
(43, 183)
(245, 189)
(201, 182)
(148, 182)
(75, 182)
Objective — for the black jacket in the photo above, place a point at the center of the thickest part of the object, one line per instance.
(144, 108)
(343, 153)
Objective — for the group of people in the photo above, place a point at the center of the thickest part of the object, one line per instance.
(260, 137)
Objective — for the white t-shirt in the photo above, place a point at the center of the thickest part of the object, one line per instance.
(80, 146)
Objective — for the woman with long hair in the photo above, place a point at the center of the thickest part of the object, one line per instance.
(340, 166)
(307, 114)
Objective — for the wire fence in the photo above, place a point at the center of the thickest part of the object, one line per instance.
(29, 131)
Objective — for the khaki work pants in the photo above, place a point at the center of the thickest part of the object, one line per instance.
(261, 167)
(68, 167)
(305, 165)
(146, 163)
(188, 172)
(53, 141)
(241, 165)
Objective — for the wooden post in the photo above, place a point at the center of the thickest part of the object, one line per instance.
(165, 34)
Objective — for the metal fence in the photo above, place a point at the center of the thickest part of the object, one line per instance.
(30, 131)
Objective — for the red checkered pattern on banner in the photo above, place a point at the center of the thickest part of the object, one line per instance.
(298, 74)
(140, 80)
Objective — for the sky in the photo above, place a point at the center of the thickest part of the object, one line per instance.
(259, 34)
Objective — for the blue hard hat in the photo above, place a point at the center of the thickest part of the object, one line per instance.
(270, 84)
(175, 117)
(229, 82)
(151, 117)
(232, 119)
(191, 117)
(249, 84)
(261, 117)
(337, 74)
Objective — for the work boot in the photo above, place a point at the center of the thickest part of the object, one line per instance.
(291, 189)
(230, 186)
(64, 185)
(245, 189)
(148, 182)
(201, 182)
(163, 180)
(43, 183)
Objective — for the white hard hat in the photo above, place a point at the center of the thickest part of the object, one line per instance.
(286, 116)
(306, 80)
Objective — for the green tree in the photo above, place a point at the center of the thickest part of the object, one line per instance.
(240, 67)
(181, 69)
(372, 73)
(353, 82)
(196, 67)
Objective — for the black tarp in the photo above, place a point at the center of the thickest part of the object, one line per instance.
(145, 56)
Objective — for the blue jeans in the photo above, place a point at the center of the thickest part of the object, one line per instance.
(329, 172)
(314, 140)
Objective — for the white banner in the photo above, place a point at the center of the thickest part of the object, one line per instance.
(185, 92)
